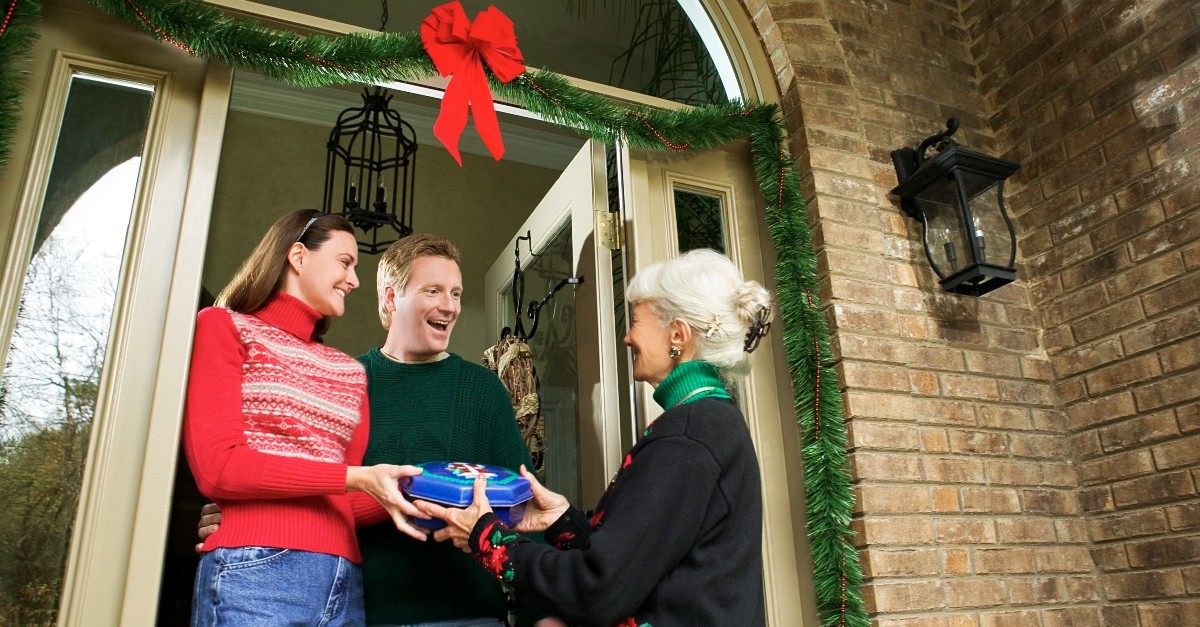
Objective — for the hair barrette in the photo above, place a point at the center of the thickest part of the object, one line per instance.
(758, 328)
(714, 326)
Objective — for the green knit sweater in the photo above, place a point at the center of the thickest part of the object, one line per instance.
(448, 410)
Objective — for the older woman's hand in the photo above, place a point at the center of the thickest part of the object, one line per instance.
(459, 521)
(543, 509)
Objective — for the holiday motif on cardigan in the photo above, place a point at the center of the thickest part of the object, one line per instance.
(300, 399)
(598, 517)
(493, 556)
(564, 540)
(493, 551)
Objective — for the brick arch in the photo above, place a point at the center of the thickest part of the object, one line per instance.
(816, 98)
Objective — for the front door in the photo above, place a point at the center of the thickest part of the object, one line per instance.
(670, 203)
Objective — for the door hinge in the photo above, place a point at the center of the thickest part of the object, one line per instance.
(608, 230)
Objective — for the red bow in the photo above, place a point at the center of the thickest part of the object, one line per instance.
(458, 49)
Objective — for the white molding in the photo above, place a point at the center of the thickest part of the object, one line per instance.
(320, 106)
(704, 26)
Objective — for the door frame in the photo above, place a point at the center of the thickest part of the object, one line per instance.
(766, 398)
(112, 571)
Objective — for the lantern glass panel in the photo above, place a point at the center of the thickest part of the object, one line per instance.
(989, 228)
(945, 238)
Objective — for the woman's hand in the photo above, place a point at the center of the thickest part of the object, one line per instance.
(460, 521)
(543, 509)
(382, 482)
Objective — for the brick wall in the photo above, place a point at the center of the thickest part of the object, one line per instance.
(1099, 100)
(1029, 457)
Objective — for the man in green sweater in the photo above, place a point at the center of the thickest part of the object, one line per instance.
(430, 405)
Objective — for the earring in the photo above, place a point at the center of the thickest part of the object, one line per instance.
(674, 351)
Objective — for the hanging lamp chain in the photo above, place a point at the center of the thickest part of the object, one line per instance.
(383, 19)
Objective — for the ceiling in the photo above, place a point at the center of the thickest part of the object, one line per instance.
(525, 141)
(580, 38)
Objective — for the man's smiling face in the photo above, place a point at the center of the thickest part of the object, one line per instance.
(425, 313)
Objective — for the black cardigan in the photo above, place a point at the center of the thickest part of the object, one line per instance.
(675, 540)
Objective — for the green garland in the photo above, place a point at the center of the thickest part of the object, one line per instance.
(17, 36)
(360, 58)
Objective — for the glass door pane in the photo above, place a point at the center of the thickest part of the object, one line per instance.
(555, 358)
(577, 363)
(52, 374)
(699, 220)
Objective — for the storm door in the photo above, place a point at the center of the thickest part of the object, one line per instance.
(577, 364)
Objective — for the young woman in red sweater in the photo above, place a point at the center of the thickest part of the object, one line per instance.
(275, 428)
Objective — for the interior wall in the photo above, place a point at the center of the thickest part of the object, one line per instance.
(271, 166)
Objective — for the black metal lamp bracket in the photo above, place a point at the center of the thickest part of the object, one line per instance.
(941, 140)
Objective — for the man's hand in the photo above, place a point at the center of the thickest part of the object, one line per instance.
(460, 521)
(210, 521)
(382, 482)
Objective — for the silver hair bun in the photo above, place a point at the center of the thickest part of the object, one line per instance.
(753, 304)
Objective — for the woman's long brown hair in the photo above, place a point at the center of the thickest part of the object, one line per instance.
(262, 274)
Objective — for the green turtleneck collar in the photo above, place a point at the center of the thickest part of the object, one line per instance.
(690, 381)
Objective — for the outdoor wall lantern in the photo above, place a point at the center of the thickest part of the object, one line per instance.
(370, 171)
(958, 196)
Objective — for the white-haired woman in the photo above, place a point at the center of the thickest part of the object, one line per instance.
(676, 538)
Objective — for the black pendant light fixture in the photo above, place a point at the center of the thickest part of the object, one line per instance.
(371, 167)
(370, 171)
(958, 197)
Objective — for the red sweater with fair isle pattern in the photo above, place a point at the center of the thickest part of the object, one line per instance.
(272, 421)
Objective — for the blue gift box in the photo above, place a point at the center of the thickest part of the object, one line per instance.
(452, 484)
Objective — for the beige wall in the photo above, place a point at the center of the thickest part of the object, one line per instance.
(270, 166)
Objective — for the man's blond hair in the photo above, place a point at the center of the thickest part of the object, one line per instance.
(395, 265)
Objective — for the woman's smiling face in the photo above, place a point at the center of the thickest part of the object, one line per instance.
(650, 345)
(327, 274)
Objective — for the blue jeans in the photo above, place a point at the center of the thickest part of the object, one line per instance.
(257, 585)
